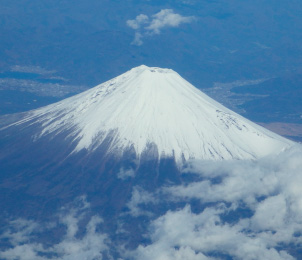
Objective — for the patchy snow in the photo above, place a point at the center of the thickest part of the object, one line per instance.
(156, 106)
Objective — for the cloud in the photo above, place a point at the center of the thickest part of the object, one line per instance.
(246, 181)
(139, 199)
(32, 69)
(40, 88)
(23, 237)
(249, 210)
(184, 235)
(143, 25)
(137, 39)
(138, 21)
(236, 209)
(167, 18)
(19, 231)
(270, 213)
(125, 174)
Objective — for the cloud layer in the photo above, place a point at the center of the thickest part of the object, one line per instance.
(184, 235)
(145, 25)
(254, 211)
(225, 210)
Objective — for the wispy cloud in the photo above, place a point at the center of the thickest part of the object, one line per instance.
(24, 237)
(137, 39)
(32, 69)
(40, 88)
(139, 199)
(145, 25)
(125, 173)
(138, 21)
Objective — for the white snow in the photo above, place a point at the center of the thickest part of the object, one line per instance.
(156, 106)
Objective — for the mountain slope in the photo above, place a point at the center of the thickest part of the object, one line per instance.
(152, 107)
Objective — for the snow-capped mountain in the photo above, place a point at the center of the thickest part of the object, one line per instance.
(106, 165)
(153, 107)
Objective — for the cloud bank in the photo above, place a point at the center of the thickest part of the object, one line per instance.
(252, 210)
(184, 235)
(221, 210)
(144, 25)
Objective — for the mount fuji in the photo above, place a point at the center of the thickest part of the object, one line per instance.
(112, 164)
(150, 111)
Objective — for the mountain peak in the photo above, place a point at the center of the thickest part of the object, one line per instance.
(153, 107)
(142, 68)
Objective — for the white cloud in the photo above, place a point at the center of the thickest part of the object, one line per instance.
(167, 18)
(137, 39)
(270, 213)
(138, 21)
(23, 237)
(138, 199)
(184, 235)
(148, 26)
(90, 246)
(125, 174)
(32, 69)
(269, 188)
(19, 231)
(245, 181)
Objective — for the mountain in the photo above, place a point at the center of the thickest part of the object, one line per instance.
(115, 162)
(153, 111)
(142, 126)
